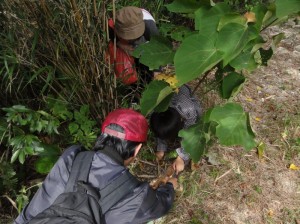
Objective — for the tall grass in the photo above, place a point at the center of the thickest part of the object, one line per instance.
(56, 47)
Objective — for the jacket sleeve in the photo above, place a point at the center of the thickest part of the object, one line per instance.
(156, 203)
(53, 185)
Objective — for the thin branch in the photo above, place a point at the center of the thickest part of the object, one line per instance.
(223, 175)
(200, 81)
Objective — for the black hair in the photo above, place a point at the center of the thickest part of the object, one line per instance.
(167, 124)
(124, 147)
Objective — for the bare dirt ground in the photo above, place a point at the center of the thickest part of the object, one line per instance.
(237, 186)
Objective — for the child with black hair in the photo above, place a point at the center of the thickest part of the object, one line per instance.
(184, 111)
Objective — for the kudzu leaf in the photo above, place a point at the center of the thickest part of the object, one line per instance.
(153, 95)
(196, 55)
(286, 7)
(194, 140)
(186, 6)
(233, 126)
(230, 84)
(232, 39)
(155, 53)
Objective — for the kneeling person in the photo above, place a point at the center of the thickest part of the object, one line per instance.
(123, 133)
(183, 112)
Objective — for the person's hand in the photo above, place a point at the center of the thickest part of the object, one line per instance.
(173, 181)
(178, 165)
(159, 155)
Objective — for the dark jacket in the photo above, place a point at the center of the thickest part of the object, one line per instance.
(142, 205)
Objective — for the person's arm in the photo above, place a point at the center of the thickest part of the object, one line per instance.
(53, 185)
(181, 161)
(155, 203)
(150, 29)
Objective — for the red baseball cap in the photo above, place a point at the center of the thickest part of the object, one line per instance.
(134, 124)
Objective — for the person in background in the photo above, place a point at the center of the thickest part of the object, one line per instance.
(123, 133)
(132, 27)
(184, 111)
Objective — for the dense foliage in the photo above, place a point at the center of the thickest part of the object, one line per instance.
(56, 86)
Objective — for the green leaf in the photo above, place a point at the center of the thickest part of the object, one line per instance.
(22, 156)
(43, 165)
(177, 33)
(207, 19)
(236, 37)
(270, 16)
(276, 40)
(260, 12)
(230, 84)
(233, 126)
(185, 6)
(231, 18)
(164, 104)
(196, 55)
(73, 127)
(180, 33)
(155, 53)
(194, 140)
(15, 155)
(153, 95)
(59, 109)
(286, 7)
(49, 150)
(28, 150)
(21, 109)
(245, 60)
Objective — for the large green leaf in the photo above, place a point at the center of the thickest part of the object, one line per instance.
(244, 60)
(186, 6)
(196, 55)
(155, 53)
(233, 126)
(260, 12)
(153, 95)
(232, 39)
(44, 164)
(194, 140)
(164, 104)
(207, 19)
(286, 7)
(230, 84)
(231, 18)
(177, 33)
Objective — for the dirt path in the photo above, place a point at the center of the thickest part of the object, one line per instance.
(240, 188)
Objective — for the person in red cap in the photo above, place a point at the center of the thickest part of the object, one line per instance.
(123, 133)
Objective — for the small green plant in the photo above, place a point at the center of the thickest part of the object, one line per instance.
(81, 128)
(30, 133)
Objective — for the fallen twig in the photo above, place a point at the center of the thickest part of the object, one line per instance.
(223, 175)
(146, 162)
(146, 176)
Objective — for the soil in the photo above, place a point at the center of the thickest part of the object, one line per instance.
(239, 187)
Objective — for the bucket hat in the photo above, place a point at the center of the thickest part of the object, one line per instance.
(129, 24)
